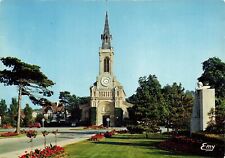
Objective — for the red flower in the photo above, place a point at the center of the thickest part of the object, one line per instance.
(45, 153)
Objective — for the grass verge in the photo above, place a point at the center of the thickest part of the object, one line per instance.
(122, 146)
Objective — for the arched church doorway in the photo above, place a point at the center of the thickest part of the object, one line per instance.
(105, 111)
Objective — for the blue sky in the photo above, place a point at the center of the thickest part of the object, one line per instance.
(168, 38)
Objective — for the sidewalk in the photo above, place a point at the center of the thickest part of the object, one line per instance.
(16, 154)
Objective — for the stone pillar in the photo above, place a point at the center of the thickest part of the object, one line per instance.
(204, 101)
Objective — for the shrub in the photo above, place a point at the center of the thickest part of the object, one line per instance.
(122, 131)
(135, 129)
(108, 134)
(207, 138)
(31, 133)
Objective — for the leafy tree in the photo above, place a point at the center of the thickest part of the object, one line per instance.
(29, 80)
(72, 103)
(149, 108)
(179, 104)
(214, 75)
(39, 118)
(216, 123)
(28, 115)
(13, 110)
(3, 109)
(84, 100)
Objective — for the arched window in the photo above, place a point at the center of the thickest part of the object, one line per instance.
(106, 64)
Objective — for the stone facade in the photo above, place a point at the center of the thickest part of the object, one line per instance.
(204, 102)
(107, 95)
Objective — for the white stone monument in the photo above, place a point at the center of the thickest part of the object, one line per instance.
(204, 101)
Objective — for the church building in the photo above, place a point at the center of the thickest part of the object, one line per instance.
(108, 105)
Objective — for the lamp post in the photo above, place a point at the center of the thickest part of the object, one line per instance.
(117, 121)
(107, 122)
(43, 122)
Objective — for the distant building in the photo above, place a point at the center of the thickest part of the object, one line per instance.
(36, 112)
(54, 112)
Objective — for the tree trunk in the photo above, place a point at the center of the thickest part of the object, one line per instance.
(19, 110)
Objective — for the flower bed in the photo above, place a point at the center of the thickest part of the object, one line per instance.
(8, 134)
(48, 152)
(109, 134)
(100, 136)
(181, 144)
(97, 137)
(184, 144)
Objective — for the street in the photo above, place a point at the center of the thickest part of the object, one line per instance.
(22, 144)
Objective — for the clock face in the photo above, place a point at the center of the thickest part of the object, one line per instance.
(105, 81)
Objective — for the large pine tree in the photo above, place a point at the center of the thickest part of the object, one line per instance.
(29, 80)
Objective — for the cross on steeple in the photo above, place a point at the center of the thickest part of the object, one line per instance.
(106, 36)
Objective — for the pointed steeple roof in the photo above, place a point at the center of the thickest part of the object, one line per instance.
(106, 36)
(106, 28)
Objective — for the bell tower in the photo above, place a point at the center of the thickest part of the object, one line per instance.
(108, 105)
(106, 51)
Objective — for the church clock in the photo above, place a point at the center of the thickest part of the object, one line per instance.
(105, 81)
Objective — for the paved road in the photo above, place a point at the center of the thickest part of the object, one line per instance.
(13, 147)
(10, 144)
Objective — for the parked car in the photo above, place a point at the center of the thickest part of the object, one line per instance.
(37, 125)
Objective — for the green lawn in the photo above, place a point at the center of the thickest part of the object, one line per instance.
(121, 146)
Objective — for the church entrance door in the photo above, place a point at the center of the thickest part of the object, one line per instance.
(106, 121)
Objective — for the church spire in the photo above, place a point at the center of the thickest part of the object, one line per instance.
(106, 36)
